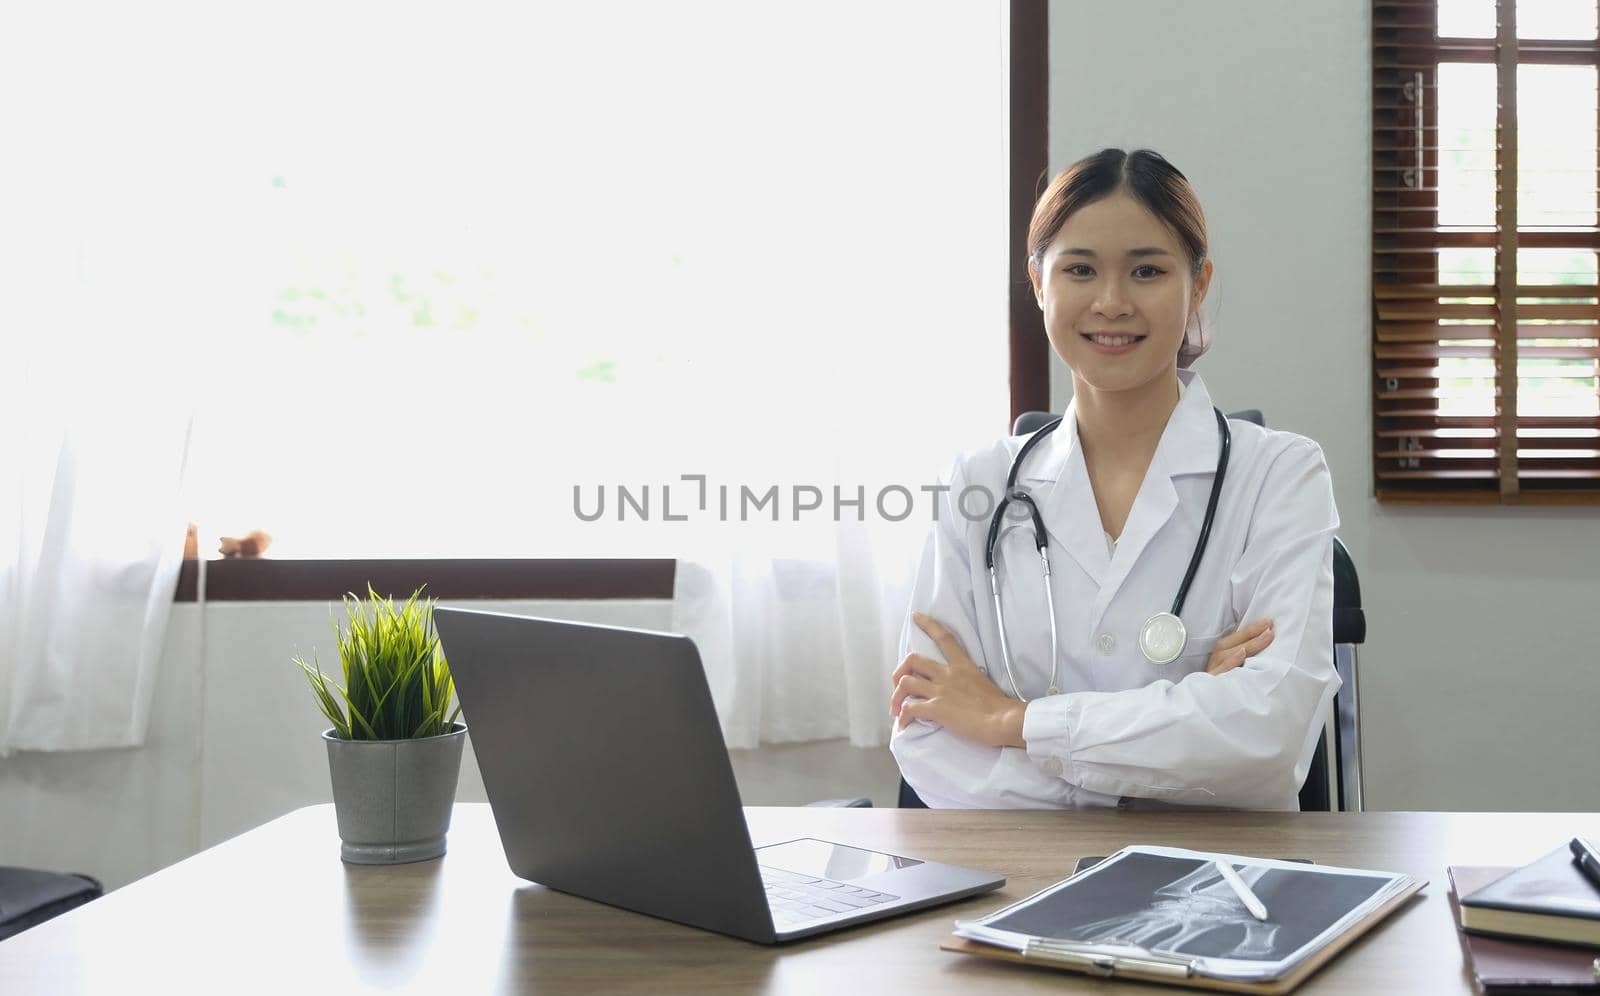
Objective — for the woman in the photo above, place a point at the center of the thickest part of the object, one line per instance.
(1117, 257)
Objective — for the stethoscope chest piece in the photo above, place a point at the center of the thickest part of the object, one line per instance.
(1162, 637)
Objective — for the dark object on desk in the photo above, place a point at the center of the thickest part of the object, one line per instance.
(29, 897)
(1549, 900)
(1588, 859)
(1501, 965)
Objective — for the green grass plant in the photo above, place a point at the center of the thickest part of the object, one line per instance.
(397, 683)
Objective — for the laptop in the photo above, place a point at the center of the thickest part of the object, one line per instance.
(609, 779)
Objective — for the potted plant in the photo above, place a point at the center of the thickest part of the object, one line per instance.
(394, 750)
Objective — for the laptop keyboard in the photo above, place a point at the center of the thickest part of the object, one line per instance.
(796, 899)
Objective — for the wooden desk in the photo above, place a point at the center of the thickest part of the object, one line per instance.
(274, 910)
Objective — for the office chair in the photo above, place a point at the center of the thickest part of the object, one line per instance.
(1326, 788)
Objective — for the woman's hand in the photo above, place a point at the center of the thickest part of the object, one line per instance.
(957, 696)
(1246, 641)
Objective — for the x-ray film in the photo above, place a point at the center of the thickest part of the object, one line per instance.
(1175, 905)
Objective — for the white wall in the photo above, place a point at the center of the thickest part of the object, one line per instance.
(234, 742)
(1480, 673)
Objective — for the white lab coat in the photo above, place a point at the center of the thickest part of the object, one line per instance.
(1122, 727)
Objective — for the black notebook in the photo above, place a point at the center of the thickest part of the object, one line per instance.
(1550, 899)
(1517, 965)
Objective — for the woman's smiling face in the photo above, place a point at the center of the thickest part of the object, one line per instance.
(1117, 290)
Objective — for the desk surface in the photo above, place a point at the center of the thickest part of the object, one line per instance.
(275, 910)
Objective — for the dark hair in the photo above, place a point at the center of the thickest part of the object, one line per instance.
(1145, 175)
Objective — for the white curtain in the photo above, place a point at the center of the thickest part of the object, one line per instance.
(426, 269)
(106, 274)
(883, 314)
(91, 538)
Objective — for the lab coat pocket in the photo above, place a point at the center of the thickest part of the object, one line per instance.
(1196, 653)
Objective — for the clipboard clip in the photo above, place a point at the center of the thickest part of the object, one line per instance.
(1096, 960)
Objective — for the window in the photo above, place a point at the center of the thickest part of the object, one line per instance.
(1485, 238)
(497, 254)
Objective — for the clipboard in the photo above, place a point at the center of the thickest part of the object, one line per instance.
(1172, 971)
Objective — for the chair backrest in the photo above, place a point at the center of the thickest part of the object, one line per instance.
(1341, 789)
(1320, 792)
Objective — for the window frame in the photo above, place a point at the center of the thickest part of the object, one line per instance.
(1404, 221)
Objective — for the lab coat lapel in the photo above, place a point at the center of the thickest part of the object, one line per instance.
(1188, 446)
(1058, 479)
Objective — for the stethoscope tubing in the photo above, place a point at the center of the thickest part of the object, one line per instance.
(1041, 543)
(1226, 438)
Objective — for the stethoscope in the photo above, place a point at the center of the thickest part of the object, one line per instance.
(1162, 637)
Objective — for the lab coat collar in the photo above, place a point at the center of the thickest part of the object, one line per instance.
(1189, 445)
(1059, 480)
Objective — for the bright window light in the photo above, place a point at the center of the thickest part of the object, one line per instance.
(495, 253)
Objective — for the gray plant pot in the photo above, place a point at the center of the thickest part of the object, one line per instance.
(393, 797)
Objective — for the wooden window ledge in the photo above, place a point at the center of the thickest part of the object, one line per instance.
(268, 580)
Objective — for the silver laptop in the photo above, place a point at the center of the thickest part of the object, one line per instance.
(609, 779)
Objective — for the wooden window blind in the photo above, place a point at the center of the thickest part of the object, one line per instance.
(1485, 241)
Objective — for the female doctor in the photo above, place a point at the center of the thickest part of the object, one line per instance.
(1091, 693)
